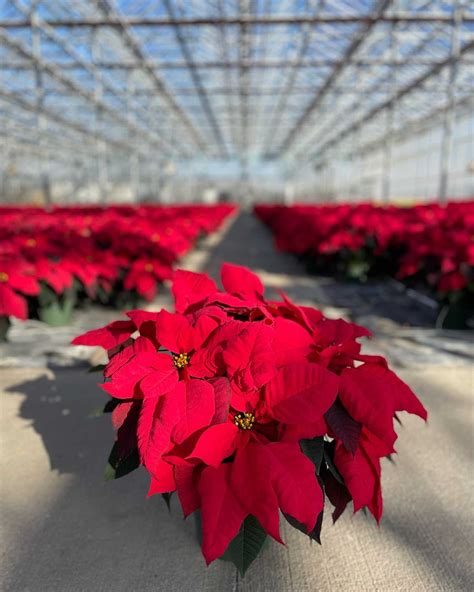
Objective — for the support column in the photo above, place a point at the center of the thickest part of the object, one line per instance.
(134, 161)
(390, 116)
(101, 147)
(449, 116)
(41, 123)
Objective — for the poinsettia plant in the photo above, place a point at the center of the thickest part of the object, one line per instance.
(51, 260)
(428, 244)
(249, 409)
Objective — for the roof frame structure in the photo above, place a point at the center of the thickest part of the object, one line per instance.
(225, 81)
(336, 70)
(133, 45)
(388, 103)
(241, 20)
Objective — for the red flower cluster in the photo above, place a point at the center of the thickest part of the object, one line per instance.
(247, 406)
(433, 243)
(96, 248)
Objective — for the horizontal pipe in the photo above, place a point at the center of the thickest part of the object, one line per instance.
(260, 64)
(242, 20)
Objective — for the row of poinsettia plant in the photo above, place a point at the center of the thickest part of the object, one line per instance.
(430, 245)
(248, 407)
(52, 260)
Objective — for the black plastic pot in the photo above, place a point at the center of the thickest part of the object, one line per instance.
(4, 326)
(457, 315)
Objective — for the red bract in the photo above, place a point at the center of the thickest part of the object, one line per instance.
(16, 280)
(248, 408)
(429, 243)
(106, 254)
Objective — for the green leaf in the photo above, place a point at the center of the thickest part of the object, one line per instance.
(328, 459)
(357, 269)
(97, 412)
(110, 405)
(344, 427)
(167, 498)
(119, 466)
(108, 408)
(109, 472)
(337, 494)
(315, 534)
(97, 368)
(245, 547)
(314, 450)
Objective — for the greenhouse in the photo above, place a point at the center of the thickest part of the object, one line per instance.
(242, 233)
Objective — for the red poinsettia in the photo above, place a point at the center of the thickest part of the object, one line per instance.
(109, 254)
(428, 243)
(249, 408)
(16, 280)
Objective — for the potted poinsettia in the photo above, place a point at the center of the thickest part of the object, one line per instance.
(250, 410)
(17, 281)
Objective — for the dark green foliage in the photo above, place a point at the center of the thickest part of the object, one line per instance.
(245, 547)
(314, 450)
(343, 426)
(120, 465)
(97, 368)
(315, 534)
(167, 498)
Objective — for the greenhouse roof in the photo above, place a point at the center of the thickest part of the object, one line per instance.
(249, 80)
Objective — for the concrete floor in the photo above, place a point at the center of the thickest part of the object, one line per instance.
(64, 529)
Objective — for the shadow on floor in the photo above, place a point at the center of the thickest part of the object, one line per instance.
(63, 411)
(91, 534)
(107, 536)
(103, 536)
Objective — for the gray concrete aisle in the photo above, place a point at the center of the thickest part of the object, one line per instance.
(63, 529)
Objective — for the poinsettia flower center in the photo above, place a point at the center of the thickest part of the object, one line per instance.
(156, 238)
(31, 242)
(244, 421)
(3, 276)
(181, 360)
(149, 267)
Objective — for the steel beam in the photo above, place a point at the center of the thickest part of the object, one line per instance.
(45, 149)
(413, 126)
(390, 115)
(41, 122)
(55, 72)
(386, 104)
(115, 21)
(379, 86)
(244, 52)
(265, 91)
(18, 100)
(229, 64)
(80, 61)
(284, 95)
(196, 78)
(101, 147)
(354, 45)
(133, 45)
(448, 122)
(227, 77)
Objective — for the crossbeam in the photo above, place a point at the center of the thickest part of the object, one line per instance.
(241, 20)
(260, 64)
(396, 98)
(333, 76)
(134, 46)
